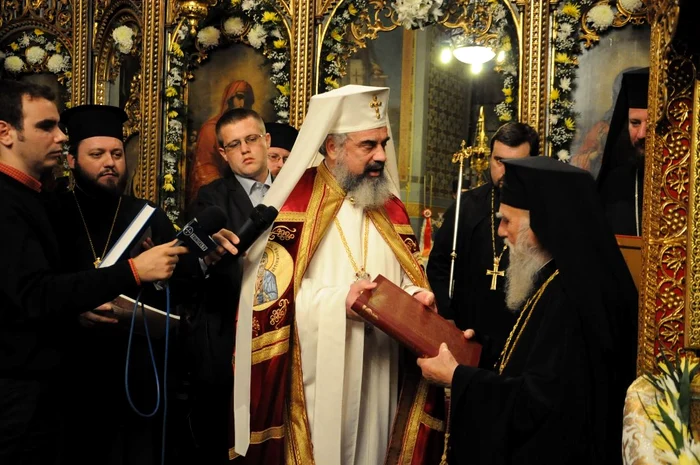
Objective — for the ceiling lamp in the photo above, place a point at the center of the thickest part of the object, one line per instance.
(473, 54)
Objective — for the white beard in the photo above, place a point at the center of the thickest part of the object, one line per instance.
(368, 192)
(525, 260)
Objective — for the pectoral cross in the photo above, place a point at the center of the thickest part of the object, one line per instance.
(97, 262)
(495, 274)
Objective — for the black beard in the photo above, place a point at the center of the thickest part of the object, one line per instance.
(94, 189)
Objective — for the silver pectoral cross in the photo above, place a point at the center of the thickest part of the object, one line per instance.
(495, 274)
(362, 274)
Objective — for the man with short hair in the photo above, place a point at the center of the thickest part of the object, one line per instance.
(621, 178)
(311, 376)
(207, 166)
(282, 138)
(556, 393)
(243, 144)
(36, 301)
(478, 301)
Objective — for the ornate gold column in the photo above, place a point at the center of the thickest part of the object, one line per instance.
(666, 187)
(302, 49)
(81, 50)
(534, 76)
(152, 66)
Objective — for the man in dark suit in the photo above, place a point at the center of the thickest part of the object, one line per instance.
(243, 143)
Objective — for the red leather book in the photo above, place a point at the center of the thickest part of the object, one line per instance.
(401, 316)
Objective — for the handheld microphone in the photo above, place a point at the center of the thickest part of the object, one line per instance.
(260, 219)
(196, 235)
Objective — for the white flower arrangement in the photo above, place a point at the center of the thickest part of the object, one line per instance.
(263, 20)
(563, 155)
(57, 63)
(257, 36)
(14, 64)
(209, 37)
(601, 17)
(124, 38)
(35, 54)
(234, 26)
(631, 5)
(413, 14)
(29, 52)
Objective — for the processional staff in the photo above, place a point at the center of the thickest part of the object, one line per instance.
(478, 161)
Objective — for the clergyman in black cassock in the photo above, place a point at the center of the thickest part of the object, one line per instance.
(103, 428)
(621, 178)
(557, 392)
(476, 304)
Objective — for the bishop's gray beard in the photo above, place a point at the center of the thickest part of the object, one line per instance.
(368, 192)
(525, 260)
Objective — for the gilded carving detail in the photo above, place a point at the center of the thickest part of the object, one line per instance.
(669, 174)
(56, 13)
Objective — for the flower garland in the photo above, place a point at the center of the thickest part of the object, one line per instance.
(255, 22)
(670, 415)
(37, 51)
(416, 14)
(509, 68)
(567, 48)
(335, 47)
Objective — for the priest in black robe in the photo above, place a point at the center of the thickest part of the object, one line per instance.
(90, 219)
(557, 392)
(621, 178)
(36, 299)
(482, 257)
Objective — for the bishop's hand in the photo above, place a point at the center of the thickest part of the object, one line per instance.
(355, 290)
(439, 370)
(427, 298)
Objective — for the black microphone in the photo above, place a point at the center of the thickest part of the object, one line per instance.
(196, 235)
(260, 219)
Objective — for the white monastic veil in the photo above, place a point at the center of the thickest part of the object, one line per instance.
(348, 109)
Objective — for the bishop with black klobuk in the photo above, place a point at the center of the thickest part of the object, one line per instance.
(91, 217)
(621, 178)
(556, 394)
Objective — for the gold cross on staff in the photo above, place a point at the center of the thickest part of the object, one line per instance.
(376, 104)
(464, 152)
(495, 274)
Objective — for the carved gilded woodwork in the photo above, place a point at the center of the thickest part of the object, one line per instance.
(535, 71)
(153, 63)
(302, 47)
(54, 15)
(667, 179)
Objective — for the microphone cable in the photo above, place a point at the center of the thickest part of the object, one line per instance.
(153, 364)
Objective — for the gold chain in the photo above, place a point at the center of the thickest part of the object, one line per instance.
(496, 259)
(360, 273)
(526, 312)
(98, 260)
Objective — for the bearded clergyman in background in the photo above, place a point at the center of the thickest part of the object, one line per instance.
(556, 394)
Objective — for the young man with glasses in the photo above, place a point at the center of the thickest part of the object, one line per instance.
(243, 144)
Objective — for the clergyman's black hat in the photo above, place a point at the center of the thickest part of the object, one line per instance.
(281, 135)
(85, 121)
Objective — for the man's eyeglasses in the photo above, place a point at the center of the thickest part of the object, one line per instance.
(275, 157)
(236, 144)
